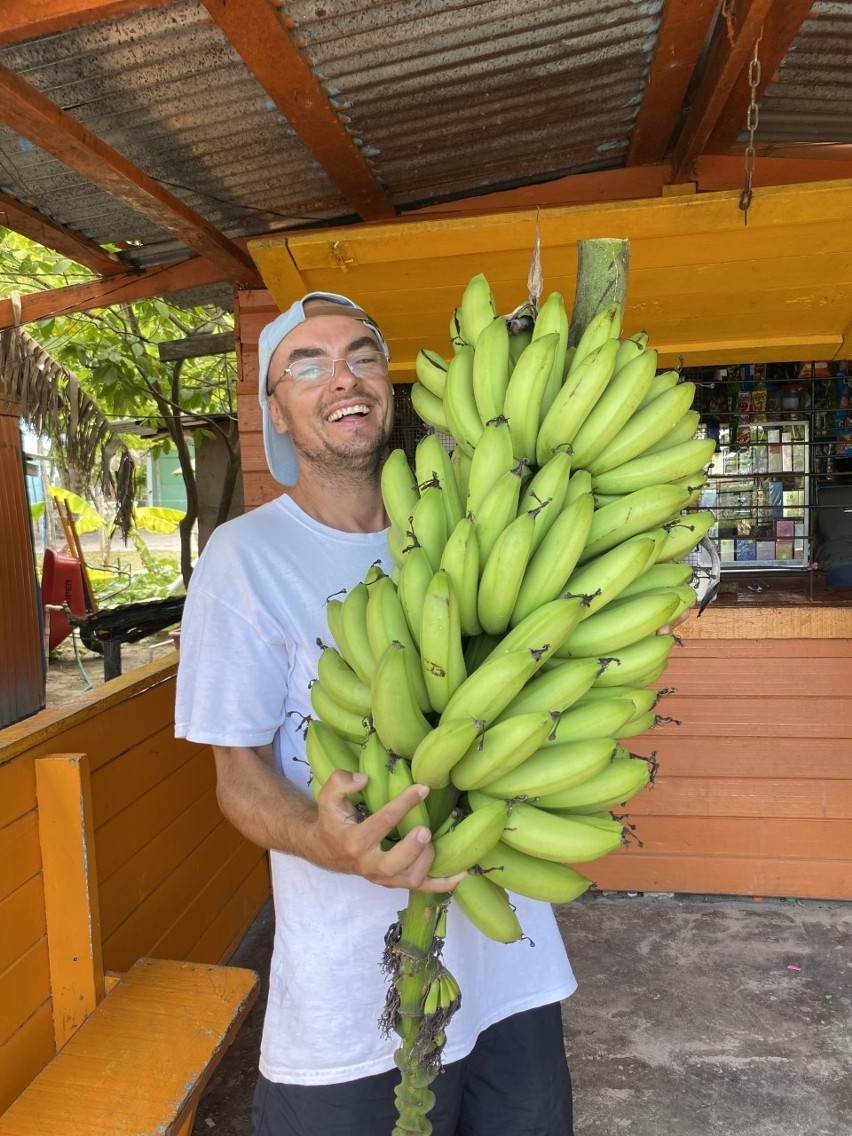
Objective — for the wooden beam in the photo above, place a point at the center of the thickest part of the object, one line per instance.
(28, 19)
(683, 32)
(259, 35)
(780, 29)
(30, 114)
(727, 58)
(192, 273)
(39, 227)
(194, 346)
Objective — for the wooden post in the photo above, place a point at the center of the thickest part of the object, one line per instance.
(66, 835)
(601, 280)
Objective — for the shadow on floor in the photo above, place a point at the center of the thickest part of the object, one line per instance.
(695, 1016)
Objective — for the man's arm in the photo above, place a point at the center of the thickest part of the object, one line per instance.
(270, 812)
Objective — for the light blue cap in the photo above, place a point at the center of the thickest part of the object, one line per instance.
(280, 455)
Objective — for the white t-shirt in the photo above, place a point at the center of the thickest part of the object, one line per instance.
(254, 613)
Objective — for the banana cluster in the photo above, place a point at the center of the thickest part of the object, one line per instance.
(510, 653)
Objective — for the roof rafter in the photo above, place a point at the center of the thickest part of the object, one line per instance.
(259, 35)
(32, 115)
(683, 31)
(29, 19)
(29, 222)
(124, 289)
(733, 41)
(780, 28)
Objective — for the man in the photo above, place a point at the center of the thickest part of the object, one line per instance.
(254, 614)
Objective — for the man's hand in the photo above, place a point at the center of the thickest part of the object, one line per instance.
(345, 845)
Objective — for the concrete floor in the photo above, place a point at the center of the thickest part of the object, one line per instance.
(695, 1016)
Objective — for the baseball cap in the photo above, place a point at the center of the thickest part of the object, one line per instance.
(280, 455)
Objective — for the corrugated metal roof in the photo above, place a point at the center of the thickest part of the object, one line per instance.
(811, 99)
(452, 98)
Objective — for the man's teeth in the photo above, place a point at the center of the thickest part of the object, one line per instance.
(336, 415)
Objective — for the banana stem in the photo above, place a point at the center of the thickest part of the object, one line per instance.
(601, 280)
(413, 961)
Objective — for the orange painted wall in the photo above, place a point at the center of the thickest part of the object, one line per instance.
(175, 879)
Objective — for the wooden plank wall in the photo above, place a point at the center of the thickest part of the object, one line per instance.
(253, 309)
(175, 879)
(754, 790)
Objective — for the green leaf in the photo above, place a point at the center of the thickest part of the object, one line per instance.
(86, 518)
(157, 519)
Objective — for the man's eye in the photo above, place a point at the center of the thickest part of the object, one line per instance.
(308, 370)
(367, 360)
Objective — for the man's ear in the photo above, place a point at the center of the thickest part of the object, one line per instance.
(276, 415)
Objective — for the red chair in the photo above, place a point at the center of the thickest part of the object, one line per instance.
(61, 584)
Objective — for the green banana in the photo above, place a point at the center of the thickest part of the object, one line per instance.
(555, 690)
(346, 688)
(460, 463)
(640, 697)
(477, 309)
(355, 647)
(631, 665)
(399, 489)
(499, 507)
(491, 368)
(552, 319)
(333, 608)
(552, 768)
(345, 723)
(620, 399)
(432, 466)
(431, 370)
(684, 429)
(429, 407)
(429, 523)
(604, 326)
(518, 342)
(659, 576)
(387, 623)
(488, 908)
(622, 779)
(463, 419)
(414, 577)
(441, 804)
(638, 724)
(544, 496)
(400, 779)
(648, 428)
(668, 465)
(602, 718)
(492, 459)
(579, 484)
(551, 565)
(630, 348)
(397, 718)
(582, 388)
(502, 747)
(620, 624)
(491, 687)
(525, 393)
(473, 836)
(552, 837)
(441, 748)
(374, 763)
(460, 560)
(457, 339)
(662, 382)
(544, 629)
(327, 751)
(503, 573)
(532, 877)
(397, 547)
(685, 535)
(630, 515)
(602, 579)
(441, 655)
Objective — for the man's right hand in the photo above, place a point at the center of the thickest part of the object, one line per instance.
(356, 847)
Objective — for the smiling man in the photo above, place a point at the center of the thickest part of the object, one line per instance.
(250, 635)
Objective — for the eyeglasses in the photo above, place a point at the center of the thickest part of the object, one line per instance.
(319, 369)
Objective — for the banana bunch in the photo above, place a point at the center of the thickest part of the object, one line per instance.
(537, 565)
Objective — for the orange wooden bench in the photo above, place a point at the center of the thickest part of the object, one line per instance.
(133, 1053)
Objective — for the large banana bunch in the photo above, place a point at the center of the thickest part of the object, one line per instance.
(537, 557)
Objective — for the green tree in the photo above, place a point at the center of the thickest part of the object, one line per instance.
(112, 353)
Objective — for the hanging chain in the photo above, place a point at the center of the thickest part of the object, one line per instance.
(751, 125)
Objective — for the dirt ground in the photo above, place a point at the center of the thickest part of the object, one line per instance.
(69, 676)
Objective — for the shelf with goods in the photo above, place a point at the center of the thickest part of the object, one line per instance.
(781, 429)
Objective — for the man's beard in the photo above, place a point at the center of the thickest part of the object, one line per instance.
(362, 457)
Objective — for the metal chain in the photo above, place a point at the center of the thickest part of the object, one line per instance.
(751, 125)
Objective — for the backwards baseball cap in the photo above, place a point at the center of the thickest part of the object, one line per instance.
(280, 455)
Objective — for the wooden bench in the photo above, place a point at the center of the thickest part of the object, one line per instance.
(132, 1061)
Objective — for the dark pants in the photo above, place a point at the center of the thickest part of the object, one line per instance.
(514, 1083)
